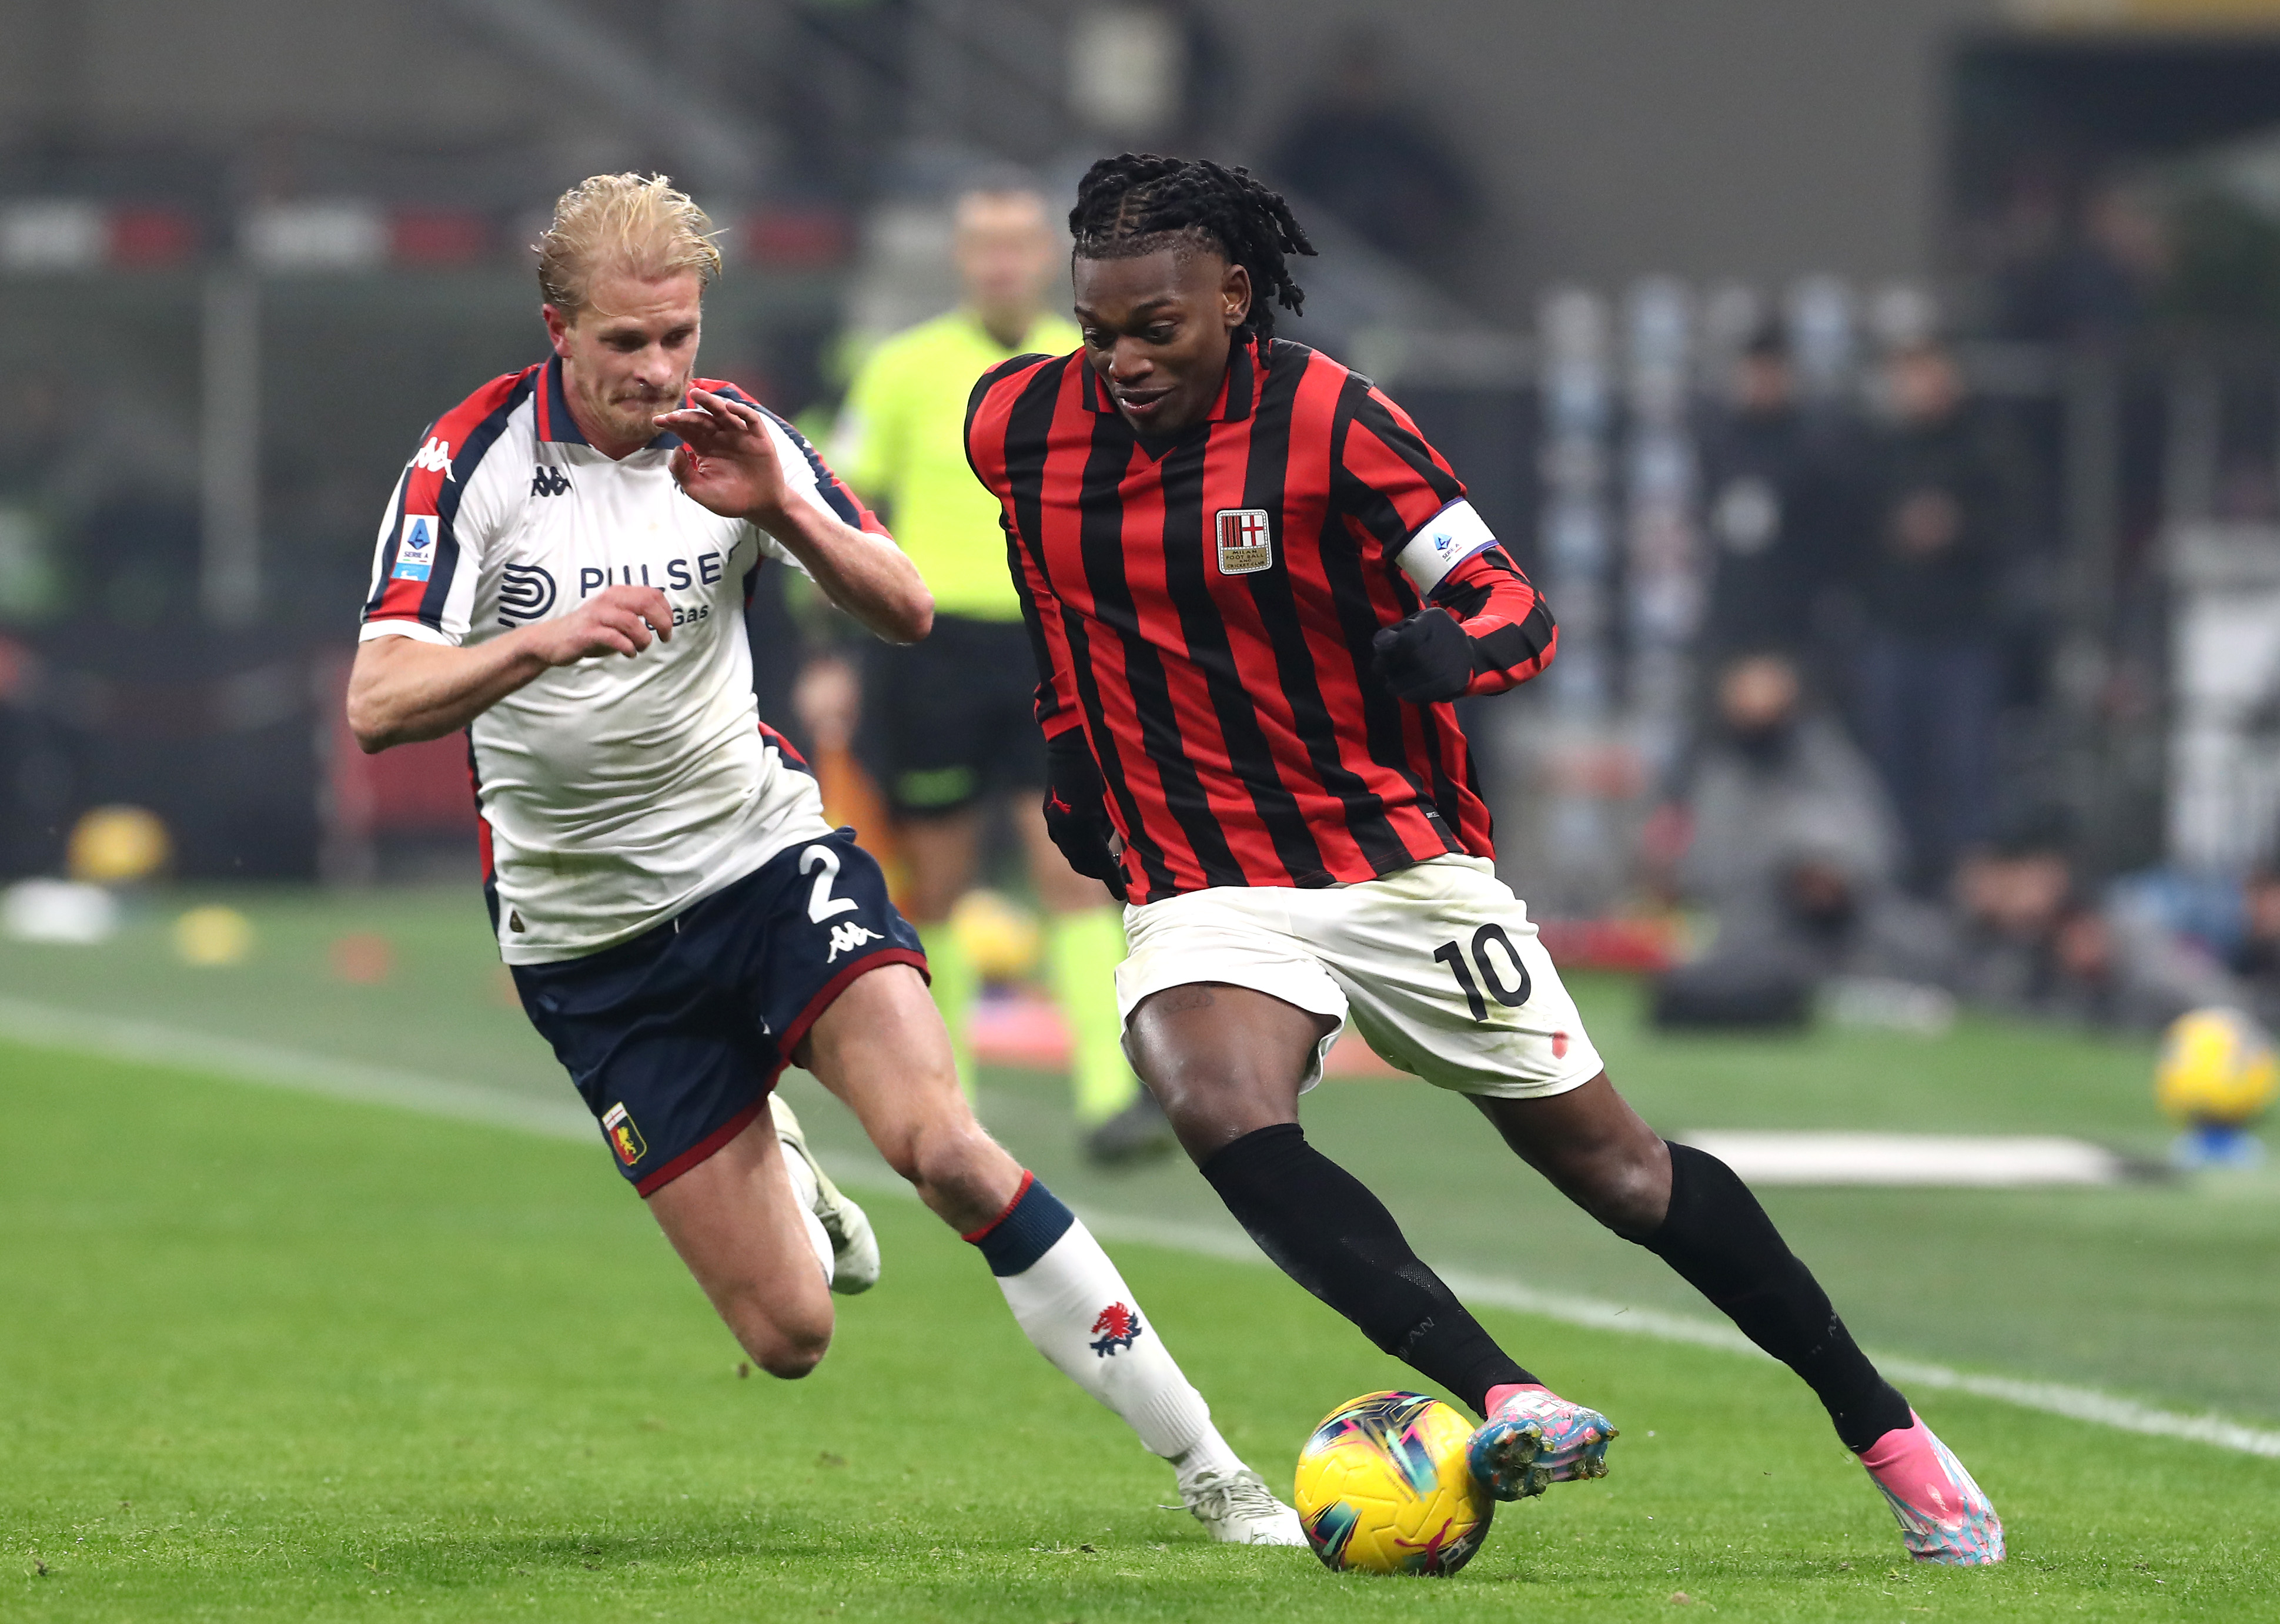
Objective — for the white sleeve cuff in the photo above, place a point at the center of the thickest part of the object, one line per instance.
(419, 631)
(1441, 542)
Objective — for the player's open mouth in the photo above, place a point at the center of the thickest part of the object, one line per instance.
(1140, 403)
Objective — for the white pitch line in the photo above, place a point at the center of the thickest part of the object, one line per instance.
(181, 1048)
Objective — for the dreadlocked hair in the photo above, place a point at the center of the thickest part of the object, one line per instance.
(1137, 203)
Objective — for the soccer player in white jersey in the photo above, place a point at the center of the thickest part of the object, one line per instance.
(562, 572)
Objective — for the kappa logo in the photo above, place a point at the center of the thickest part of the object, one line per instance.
(625, 1138)
(1246, 540)
(1118, 1327)
(549, 482)
(435, 456)
(846, 936)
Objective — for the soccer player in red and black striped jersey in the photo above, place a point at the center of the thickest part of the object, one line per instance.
(1253, 589)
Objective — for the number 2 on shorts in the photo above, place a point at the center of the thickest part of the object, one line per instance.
(1512, 997)
(823, 862)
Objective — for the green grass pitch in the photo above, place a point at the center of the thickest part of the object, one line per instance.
(271, 1355)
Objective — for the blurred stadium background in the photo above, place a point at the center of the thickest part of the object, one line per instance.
(249, 247)
(1887, 397)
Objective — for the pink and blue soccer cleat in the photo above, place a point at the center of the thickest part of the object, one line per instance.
(1944, 1517)
(1535, 1438)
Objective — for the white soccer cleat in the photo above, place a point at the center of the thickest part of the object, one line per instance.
(1239, 1509)
(854, 1248)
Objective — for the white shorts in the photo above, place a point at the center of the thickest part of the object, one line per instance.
(1438, 966)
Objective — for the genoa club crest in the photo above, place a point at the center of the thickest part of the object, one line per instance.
(1247, 543)
(1118, 1327)
(625, 1138)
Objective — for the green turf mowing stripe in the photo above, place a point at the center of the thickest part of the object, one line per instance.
(151, 1044)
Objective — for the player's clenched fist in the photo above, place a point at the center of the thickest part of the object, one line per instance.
(616, 620)
(726, 461)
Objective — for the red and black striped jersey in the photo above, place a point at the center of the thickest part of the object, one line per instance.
(1203, 603)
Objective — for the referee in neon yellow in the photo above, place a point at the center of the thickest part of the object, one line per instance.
(948, 724)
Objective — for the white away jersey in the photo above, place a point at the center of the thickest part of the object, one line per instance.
(616, 792)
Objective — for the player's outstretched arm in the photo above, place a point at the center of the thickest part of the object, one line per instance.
(402, 689)
(729, 463)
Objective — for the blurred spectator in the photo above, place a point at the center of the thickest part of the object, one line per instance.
(1773, 484)
(1789, 841)
(2088, 280)
(1775, 777)
(2009, 896)
(1352, 148)
(2125, 971)
(2033, 944)
(2256, 959)
(1942, 515)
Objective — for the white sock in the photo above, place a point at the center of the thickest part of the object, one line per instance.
(804, 1191)
(1074, 1306)
(1209, 1453)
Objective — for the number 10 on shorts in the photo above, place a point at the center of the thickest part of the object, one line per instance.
(1507, 982)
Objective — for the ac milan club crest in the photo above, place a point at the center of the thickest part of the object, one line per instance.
(1118, 1327)
(1245, 543)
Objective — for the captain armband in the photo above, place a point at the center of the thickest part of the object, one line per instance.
(1441, 542)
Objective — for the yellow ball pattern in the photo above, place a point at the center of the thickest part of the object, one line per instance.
(1384, 1487)
(999, 937)
(117, 845)
(2216, 1066)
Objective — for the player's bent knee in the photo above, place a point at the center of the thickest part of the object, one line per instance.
(785, 1346)
(1628, 1188)
(790, 1361)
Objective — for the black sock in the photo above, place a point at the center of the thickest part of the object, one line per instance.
(1721, 1244)
(1325, 1230)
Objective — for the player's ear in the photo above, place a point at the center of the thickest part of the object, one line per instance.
(1233, 295)
(557, 327)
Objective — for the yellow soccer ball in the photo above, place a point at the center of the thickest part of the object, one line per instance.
(1384, 1487)
(117, 845)
(214, 937)
(1001, 938)
(2216, 1066)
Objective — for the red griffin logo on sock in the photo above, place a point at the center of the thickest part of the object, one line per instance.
(1118, 1327)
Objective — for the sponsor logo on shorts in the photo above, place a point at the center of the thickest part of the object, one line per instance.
(1118, 1327)
(625, 1138)
(847, 936)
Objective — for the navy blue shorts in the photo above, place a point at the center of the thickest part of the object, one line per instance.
(675, 1037)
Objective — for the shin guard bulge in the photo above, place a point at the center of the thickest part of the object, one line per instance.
(1720, 1243)
(1324, 1229)
(1075, 1308)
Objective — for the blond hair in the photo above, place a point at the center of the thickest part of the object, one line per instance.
(633, 223)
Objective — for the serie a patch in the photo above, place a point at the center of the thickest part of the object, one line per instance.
(1246, 540)
(415, 547)
(625, 1138)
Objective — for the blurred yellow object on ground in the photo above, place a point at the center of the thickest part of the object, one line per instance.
(1001, 938)
(117, 845)
(2216, 1065)
(213, 935)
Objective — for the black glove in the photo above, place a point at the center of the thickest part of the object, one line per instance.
(1077, 810)
(1426, 659)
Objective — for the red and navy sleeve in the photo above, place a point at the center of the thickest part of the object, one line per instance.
(830, 489)
(1396, 488)
(423, 577)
